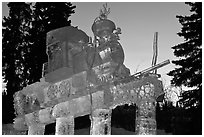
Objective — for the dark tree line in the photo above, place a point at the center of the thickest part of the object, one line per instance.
(24, 44)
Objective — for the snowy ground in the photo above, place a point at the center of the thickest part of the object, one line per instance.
(7, 129)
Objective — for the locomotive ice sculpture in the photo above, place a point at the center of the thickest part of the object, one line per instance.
(85, 77)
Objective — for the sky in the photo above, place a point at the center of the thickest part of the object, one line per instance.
(138, 22)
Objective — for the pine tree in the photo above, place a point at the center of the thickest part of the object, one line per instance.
(24, 44)
(189, 72)
(14, 43)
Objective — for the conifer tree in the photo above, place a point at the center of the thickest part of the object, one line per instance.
(189, 72)
(14, 47)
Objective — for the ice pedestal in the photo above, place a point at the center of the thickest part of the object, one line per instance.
(36, 129)
(65, 125)
(101, 122)
(146, 118)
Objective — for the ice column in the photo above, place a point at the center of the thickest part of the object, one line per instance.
(146, 112)
(36, 129)
(101, 122)
(65, 125)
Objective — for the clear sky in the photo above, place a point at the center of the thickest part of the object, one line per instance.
(138, 22)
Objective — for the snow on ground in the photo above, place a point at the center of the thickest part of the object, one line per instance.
(7, 129)
(116, 131)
